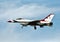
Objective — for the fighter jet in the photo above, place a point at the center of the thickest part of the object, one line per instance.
(47, 21)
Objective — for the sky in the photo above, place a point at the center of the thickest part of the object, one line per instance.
(30, 9)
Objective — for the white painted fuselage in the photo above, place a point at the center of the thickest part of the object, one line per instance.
(43, 22)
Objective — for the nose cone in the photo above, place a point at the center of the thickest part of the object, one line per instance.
(10, 20)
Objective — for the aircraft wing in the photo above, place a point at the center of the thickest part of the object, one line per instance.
(35, 22)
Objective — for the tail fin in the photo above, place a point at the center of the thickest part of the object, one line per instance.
(49, 17)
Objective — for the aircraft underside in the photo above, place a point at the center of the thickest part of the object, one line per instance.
(41, 25)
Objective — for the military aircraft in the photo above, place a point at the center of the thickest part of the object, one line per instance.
(47, 21)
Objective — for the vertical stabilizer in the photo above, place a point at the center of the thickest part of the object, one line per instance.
(49, 17)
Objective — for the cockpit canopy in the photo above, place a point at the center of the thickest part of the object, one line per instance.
(19, 18)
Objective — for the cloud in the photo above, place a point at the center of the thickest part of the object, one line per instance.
(13, 9)
(9, 4)
(27, 11)
(10, 33)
